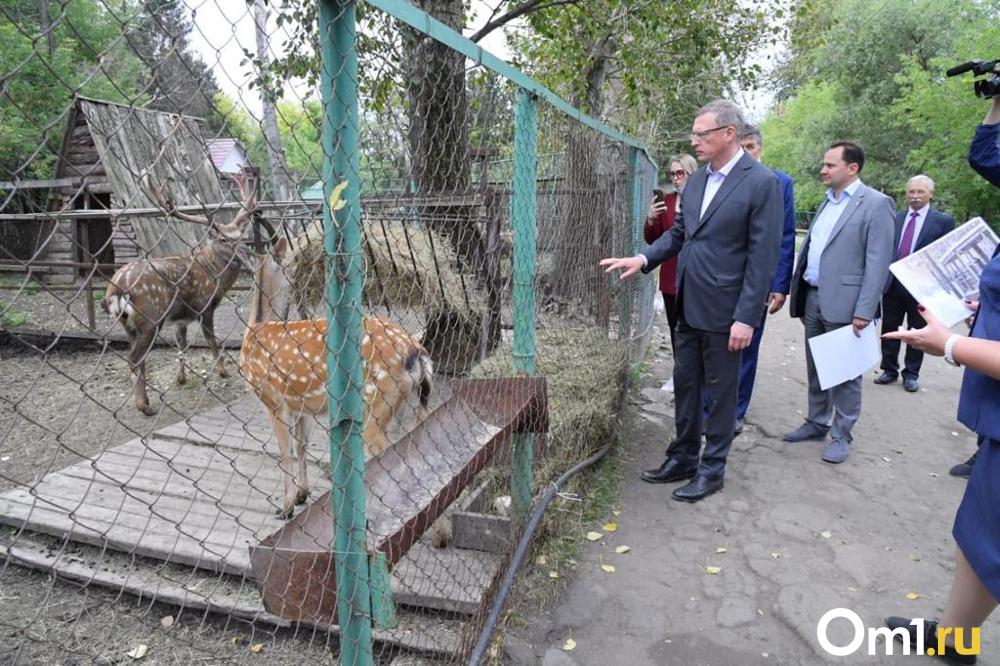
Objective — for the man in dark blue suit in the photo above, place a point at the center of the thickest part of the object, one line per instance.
(916, 227)
(753, 144)
(728, 236)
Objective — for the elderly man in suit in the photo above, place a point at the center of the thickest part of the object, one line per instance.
(917, 227)
(843, 269)
(726, 235)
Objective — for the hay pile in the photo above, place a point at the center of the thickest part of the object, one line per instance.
(407, 266)
(585, 373)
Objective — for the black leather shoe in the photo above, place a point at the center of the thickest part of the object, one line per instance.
(911, 385)
(886, 378)
(701, 486)
(950, 655)
(668, 472)
(964, 470)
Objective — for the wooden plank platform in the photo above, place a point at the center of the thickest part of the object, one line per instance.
(197, 494)
(200, 592)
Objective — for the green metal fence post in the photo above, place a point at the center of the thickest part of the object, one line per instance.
(339, 85)
(524, 209)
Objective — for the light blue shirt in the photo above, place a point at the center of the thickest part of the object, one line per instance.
(715, 180)
(823, 226)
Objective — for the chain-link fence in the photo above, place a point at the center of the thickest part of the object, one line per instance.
(389, 241)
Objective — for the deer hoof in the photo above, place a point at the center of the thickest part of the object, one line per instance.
(285, 514)
(182, 380)
(301, 496)
(147, 410)
(223, 372)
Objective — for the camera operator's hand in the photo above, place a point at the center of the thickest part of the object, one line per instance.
(993, 116)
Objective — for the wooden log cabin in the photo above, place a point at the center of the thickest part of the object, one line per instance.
(95, 202)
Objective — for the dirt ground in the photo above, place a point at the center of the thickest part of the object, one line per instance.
(55, 408)
(792, 536)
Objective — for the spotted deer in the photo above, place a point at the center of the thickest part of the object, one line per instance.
(284, 362)
(145, 295)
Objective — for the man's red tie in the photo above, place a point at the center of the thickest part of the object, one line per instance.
(906, 243)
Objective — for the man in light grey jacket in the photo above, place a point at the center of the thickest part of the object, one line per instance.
(841, 274)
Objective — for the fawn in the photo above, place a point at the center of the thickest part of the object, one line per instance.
(284, 362)
(144, 295)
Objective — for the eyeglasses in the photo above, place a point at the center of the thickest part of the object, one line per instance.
(678, 173)
(700, 136)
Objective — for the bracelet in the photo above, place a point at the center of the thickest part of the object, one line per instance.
(949, 346)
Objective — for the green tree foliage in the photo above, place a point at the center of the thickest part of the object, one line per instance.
(872, 72)
(130, 51)
(646, 66)
(88, 58)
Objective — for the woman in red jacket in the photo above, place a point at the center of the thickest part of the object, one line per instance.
(660, 218)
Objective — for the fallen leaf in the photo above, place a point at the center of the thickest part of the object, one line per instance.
(886, 459)
(608, 568)
(593, 536)
(236, 640)
(256, 647)
(167, 622)
(5, 459)
(139, 652)
(914, 557)
(775, 555)
(616, 513)
(826, 534)
(934, 474)
(912, 596)
(569, 644)
(954, 434)
(720, 551)
(621, 550)
(553, 574)
(610, 527)
(711, 570)
(540, 560)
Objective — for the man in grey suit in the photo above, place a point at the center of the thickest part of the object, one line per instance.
(727, 235)
(842, 271)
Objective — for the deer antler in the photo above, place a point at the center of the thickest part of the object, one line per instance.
(168, 207)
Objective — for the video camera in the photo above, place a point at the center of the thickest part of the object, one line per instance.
(984, 88)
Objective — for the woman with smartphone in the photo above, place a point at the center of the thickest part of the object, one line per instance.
(662, 213)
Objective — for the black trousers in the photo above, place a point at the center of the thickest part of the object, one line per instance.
(897, 305)
(703, 363)
(669, 303)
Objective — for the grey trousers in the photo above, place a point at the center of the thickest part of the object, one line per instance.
(703, 363)
(837, 408)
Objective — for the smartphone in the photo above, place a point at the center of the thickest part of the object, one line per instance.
(657, 194)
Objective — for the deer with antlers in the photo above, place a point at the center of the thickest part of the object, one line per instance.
(284, 362)
(147, 294)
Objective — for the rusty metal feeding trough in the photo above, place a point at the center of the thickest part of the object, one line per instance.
(408, 486)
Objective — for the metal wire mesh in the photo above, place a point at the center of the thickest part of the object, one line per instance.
(172, 497)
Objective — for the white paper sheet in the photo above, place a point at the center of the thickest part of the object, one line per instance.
(840, 355)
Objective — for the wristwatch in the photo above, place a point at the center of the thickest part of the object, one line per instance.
(949, 346)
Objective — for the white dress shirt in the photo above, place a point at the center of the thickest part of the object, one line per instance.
(921, 218)
(822, 228)
(715, 180)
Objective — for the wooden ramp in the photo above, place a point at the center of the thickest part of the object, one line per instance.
(200, 494)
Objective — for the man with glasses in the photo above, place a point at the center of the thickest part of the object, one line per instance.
(727, 236)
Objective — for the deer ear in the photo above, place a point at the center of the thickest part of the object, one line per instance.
(279, 249)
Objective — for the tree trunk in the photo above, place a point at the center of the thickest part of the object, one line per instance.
(439, 129)
(281, 183)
